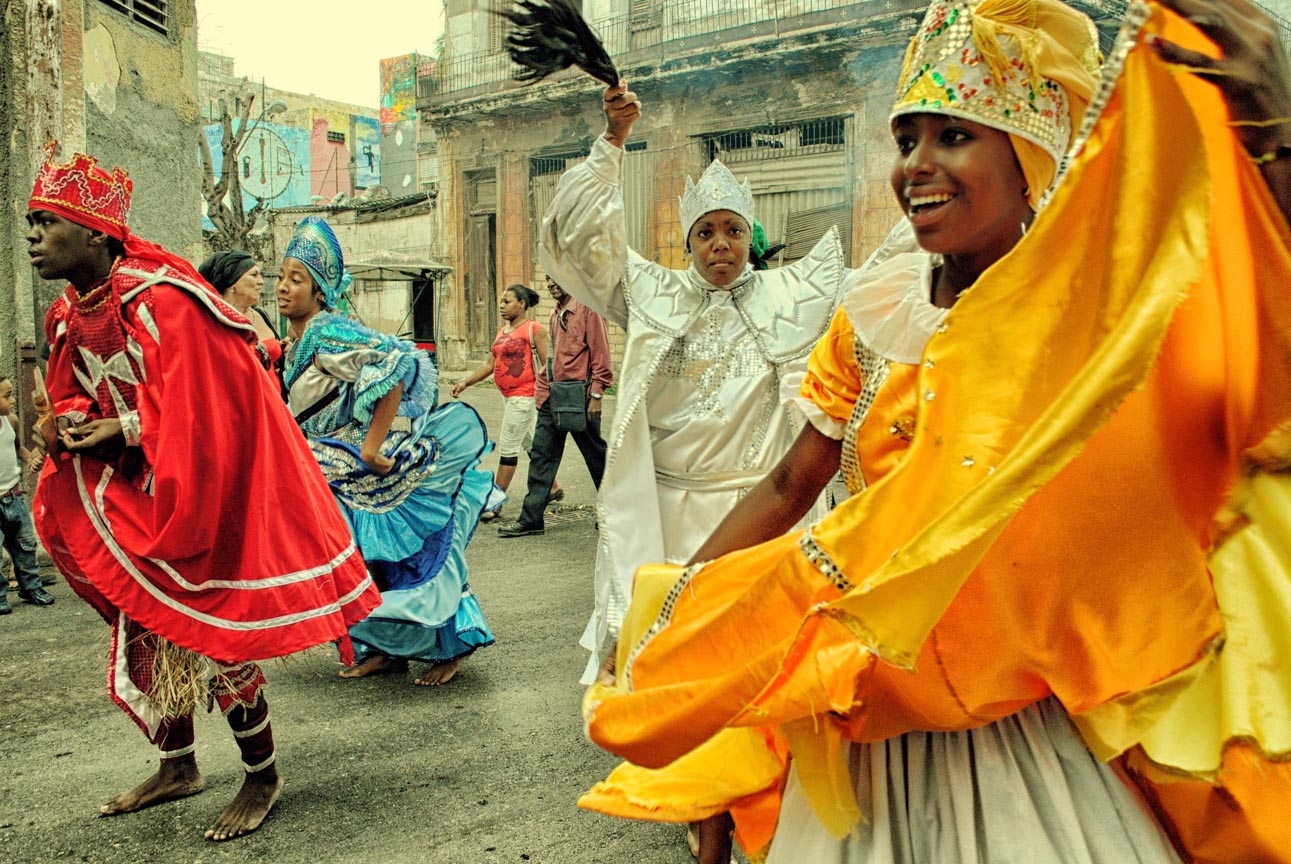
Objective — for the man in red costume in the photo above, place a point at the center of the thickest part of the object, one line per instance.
(180, 500)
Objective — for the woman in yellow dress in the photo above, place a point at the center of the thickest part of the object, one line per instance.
(1070, 510)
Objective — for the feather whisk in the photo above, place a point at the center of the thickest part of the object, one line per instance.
(550, 35)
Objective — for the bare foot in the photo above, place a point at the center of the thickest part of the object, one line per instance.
(439, 673)
(172, 780)
(377, 664)
(248, 808)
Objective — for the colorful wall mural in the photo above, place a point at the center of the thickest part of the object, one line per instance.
(273, 164)
(398, 90)
(290, 166)
(399, 130)
(367, 151)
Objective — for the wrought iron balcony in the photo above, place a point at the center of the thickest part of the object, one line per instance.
(665, 29)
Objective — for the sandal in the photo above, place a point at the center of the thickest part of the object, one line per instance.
(490, 515)
(558, 495)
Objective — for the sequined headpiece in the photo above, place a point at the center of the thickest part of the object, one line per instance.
(1009, 64)
(717, 189)
(314, 244)
(84, 193)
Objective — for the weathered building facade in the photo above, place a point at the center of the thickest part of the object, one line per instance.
(791, 94)
(114, 78)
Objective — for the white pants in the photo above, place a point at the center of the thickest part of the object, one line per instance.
(519, 414)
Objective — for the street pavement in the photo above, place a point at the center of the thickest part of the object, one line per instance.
(484, 769)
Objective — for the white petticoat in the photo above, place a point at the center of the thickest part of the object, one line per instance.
(1023, 790)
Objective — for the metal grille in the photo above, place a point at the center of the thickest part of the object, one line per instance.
(792, 139)
(335, 137)
(638, 176)
(544, 174)
(800, 174)
(153, 14)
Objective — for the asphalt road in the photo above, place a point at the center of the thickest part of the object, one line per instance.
(484, 769)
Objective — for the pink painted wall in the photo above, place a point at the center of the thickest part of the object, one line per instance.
(329, 163)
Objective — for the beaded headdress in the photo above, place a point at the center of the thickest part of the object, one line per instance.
(986, 61)
(314, 244)
(82, 192)
(717, 189)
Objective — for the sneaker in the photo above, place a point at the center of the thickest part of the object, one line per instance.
(38, 596)
(515, 529)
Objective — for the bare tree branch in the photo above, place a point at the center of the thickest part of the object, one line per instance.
(224, 203)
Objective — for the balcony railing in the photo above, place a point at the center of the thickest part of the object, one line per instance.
(672, 28)
(692, 23)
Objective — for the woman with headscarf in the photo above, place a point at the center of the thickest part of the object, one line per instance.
(404, 471)
(237, 278)
(1069, 483)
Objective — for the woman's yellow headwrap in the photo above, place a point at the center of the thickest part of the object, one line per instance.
(1025, 67)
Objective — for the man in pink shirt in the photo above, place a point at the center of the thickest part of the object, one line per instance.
(580, 351)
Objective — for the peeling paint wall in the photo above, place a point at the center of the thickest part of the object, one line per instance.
(14, 176)
(78, 71)
(141, 113)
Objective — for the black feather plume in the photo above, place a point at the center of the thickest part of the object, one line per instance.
(550, 35)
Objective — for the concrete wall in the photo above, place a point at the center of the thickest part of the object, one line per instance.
(78, 71)
(142, 112)
(14, 179)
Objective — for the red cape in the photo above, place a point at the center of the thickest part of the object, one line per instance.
(235, 549)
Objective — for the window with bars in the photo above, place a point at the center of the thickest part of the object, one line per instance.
(335, 137)
(638, 191)
(801, 176)
(784, 139)
(153, 14)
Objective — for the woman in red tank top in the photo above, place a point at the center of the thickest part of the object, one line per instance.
(519, 341)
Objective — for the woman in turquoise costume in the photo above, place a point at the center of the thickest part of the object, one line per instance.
(404, 471)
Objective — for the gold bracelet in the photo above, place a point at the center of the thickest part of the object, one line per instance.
(1279, 152)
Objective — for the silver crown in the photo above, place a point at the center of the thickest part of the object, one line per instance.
(717, 189)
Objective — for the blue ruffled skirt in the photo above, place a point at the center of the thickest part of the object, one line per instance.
(412, 526)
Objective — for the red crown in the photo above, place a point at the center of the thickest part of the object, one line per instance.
(84, 193)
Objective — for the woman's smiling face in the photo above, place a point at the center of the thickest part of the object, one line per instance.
(960, 184)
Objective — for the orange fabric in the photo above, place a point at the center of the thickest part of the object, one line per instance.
(1048, 528)
(715, 778)
(1242, 819)
(833, 382)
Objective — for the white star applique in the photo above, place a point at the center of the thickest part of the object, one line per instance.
(115, 369)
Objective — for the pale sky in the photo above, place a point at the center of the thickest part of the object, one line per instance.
(329, 49)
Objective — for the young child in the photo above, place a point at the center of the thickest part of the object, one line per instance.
(15, 518)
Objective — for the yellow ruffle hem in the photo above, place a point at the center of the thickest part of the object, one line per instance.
(1086, 455)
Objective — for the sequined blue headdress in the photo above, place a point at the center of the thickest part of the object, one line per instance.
(314, 244)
